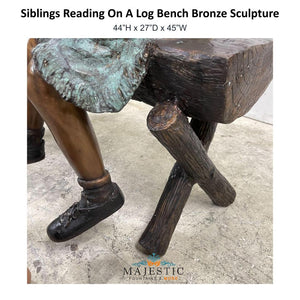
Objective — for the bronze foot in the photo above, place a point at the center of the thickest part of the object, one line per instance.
(100, 198)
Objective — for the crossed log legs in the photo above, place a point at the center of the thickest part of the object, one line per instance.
(188, 144)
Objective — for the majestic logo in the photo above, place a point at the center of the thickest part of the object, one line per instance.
(153, 268)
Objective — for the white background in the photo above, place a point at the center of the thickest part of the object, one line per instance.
(263, 108)
(15, 31)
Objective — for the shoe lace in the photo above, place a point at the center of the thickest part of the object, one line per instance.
(72, 213)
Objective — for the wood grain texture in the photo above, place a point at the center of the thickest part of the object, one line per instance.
(158, 233)
(216, 80)
(171, 127)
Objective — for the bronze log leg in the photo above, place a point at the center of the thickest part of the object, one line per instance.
(158, 233)
(170, 126)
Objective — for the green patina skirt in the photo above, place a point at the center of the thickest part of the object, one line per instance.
(98, 75)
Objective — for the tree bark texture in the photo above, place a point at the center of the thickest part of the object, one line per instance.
(165, 121)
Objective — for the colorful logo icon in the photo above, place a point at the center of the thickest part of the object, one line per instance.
(153, 261)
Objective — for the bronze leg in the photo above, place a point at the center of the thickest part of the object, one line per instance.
(34, 120)
(70, 127)
(75, 136)
(35, 133)
(35, 129)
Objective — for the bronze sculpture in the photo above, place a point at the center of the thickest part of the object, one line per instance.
(210, 80)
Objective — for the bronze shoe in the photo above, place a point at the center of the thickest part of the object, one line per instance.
(35, 145)
(86, 213)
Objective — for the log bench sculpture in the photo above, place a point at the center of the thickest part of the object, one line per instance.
(210, 80)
